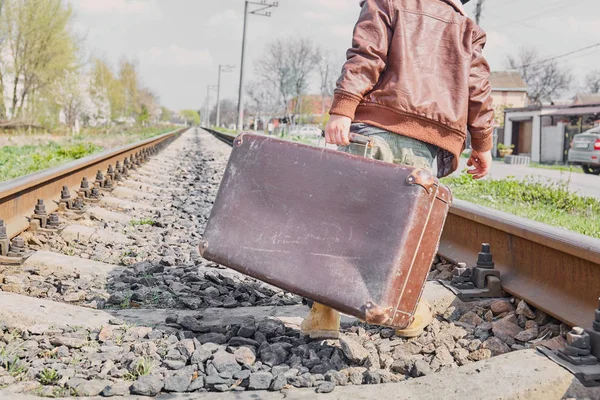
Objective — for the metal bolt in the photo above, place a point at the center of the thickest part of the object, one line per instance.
(78, 203)
(99, 176)
(17, 243)
(119, 166)
(484, 258)
(108, 183)
(84, 184)
(578, 338)
(3, 234)
(53, 220)
(40, 208)
(95, 193)
(596, 323)
(110, 169)
(118, 176)
(64, 194)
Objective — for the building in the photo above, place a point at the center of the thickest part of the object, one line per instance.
(509, 90)
(544, 132)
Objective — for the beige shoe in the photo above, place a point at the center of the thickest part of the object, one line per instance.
(423, 318)
(322, 323)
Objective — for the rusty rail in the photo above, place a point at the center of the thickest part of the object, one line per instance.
(555, 270)
(19, 196)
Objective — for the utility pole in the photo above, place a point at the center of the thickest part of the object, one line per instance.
(478, 11)
(208, 89)
(222, 68)
(262, 6)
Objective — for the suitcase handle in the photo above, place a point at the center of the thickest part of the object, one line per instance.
(357, 139)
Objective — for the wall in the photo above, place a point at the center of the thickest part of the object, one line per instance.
(552, 143)
(535, 133)
(512, 99)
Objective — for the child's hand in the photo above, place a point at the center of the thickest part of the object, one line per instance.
(482, 163)
(337, 129)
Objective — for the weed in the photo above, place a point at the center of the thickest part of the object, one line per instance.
(14, 367)
(143, 367)
(48, 376)
(549, 203)
(126, 303)
(144, 221)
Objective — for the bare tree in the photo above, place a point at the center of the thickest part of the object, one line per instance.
(546, 78)
(228, 113)
(330, 68)
(288, 64)
(263, 103)
(592, 82)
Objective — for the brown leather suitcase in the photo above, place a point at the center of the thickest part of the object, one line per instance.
(350, 232)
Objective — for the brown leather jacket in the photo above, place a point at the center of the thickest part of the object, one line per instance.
(416, 68)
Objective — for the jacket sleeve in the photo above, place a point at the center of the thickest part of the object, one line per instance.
(367, 57)
(480, 118)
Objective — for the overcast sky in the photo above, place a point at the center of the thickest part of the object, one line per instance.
(179, 44)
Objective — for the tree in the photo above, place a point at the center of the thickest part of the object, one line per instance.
(191, 117)
(263, 102)
(165, 114)
(228, 114)
(40, 46)
(149, 100)
(104, 92)
(546, 78)
(288, 63)
(128, 78)
(68, 94)
(592, 82)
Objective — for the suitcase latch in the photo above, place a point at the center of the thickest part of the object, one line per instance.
(423, 178)
(377, 315)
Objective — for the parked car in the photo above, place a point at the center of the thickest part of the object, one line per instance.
(585, 151)
(306, 131)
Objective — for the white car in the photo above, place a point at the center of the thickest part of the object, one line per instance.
(306, 131)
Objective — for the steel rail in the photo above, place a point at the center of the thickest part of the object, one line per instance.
(555, 270)
(19, 196)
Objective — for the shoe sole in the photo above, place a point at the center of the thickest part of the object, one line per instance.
(323, 334)
(414, 332)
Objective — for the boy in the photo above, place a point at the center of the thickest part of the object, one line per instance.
(415, 80)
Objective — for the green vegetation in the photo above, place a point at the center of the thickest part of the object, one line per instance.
(549, 203)
(17, 160)
(146, 221)
(48, 376)
(565, 168)
(143, 367)
(191, 117)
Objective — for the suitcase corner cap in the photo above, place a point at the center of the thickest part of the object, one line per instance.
(423, 178)
(377, 315)
(203, 246)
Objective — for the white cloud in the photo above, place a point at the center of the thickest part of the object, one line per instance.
(496, 41)
(177, 56)
(225, 17)
(338, 4)
(137, 7)
(343, 31)
(315, 16)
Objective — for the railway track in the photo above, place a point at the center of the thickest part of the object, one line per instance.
(553, 269)
(115, 299)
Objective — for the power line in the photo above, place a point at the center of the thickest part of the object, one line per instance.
(540, 13)
(557, 57)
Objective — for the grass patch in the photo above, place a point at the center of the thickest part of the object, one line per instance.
(146, 221)
(52, 150)
(17, 161)
(549, 203)
(565, 168)
(143, 367)
(48, 376)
